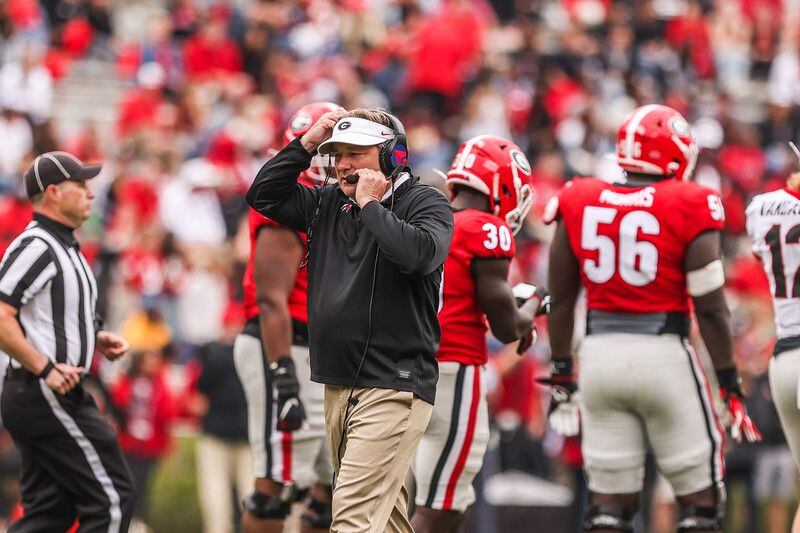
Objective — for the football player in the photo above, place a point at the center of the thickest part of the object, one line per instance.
(286, 425)
(773, 222)
(641, 249)
(489, 181)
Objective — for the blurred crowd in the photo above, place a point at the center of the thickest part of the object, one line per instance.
(205, 88)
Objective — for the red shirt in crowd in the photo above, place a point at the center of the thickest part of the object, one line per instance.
(15, 214)
(139, 110)
(446, 49)
(148, 409)
(203, 57)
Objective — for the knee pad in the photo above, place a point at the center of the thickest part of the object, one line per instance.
(694, 518)
(266, 507)
(323, 514)
(615, 518)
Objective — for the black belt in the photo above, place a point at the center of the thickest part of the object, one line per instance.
(643, 323)
(785, 344)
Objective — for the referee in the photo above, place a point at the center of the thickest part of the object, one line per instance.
(72, 466)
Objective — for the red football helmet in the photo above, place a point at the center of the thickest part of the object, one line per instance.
(497, 168)
(655, 139)
(300, 123)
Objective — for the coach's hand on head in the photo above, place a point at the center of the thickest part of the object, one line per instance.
(322, 130)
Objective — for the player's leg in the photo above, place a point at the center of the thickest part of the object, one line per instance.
(685, 434)
(317, 511)
(451, 451)
(267, 506)
(312, 461)
(613, 443)
(784, 376)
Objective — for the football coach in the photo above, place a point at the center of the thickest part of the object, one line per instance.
(72, 466)
(377, 240)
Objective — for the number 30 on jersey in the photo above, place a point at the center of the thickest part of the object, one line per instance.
(496, 236)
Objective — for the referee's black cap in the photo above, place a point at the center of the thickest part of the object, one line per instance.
(53, 168)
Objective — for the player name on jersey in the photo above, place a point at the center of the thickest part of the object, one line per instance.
(643, 198)
(780, 208)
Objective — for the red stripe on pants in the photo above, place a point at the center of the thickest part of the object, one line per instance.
(468, 436)
(286, 444)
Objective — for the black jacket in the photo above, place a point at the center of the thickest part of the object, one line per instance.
(413, 239)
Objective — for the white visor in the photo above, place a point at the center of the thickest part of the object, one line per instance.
(357, 131)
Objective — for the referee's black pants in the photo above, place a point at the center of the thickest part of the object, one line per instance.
(72, 465)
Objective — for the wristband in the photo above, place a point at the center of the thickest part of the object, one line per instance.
(281, 361)
(561, 367)
(49, 367)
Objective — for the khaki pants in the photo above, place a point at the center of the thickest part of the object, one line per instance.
(221, 464)
(381, 437)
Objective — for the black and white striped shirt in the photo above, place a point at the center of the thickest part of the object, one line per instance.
(44, 275)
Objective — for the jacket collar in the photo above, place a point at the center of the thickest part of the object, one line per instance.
(401, 185)
(61, 231)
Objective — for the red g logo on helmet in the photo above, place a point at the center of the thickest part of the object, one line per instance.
(497, 168)
(299, 124)
(656, 139)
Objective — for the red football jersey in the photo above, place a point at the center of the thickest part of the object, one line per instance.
(476, 235)
(297, 299)
(631, 241)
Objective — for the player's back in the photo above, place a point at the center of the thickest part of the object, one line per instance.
(773, 222)
(631, 242)
(476, 235)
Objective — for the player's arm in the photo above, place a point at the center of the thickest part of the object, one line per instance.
(564, 285)
(508, 322)
(275, 192)
(277, 253)
(705, 280)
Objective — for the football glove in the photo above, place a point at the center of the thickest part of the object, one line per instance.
(522, 293)
(291, 415)
(563, 414)
(730, 390)
(525, 291)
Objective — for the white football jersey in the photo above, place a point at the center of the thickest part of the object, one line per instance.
(773, 222)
